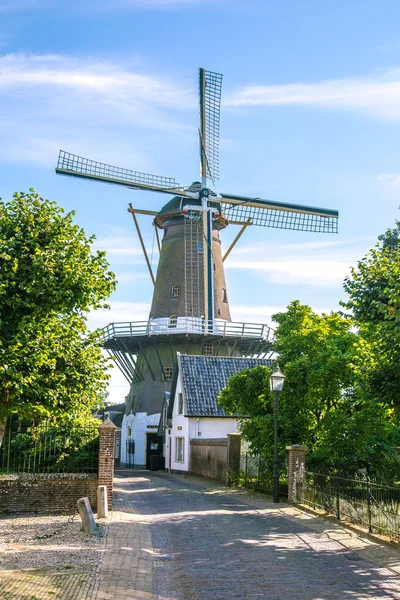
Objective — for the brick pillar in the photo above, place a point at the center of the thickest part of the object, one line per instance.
(233, 454)
(106, 457)
(297, 467)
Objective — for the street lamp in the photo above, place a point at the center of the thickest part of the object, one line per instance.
(276, 382)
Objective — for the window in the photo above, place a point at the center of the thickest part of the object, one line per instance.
(173, 319)
(179, 454)
(129, 431)
(180, 404)
(174, 291)
(167, 373)
(224, 296)
(200, 247)
(208, 349)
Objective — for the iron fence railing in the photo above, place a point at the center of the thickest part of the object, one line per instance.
(360, 501)
(164, 326)
(256, 473)
(42, 448)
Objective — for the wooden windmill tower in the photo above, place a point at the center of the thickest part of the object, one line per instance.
(190, 310)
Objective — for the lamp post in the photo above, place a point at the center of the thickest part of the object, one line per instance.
(276, 382)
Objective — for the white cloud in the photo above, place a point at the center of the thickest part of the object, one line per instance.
(296, 263)
(378, 95)
(122, 249)
(92, 106)
(390, 179)
(119, 312)
(263, 313)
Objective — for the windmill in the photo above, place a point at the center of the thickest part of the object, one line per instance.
(190, 310)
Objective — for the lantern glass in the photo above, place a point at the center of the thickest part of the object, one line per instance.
(276, 381)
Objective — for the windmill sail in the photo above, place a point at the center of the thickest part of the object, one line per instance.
(210, 85)
(280, 215)
(77, 166)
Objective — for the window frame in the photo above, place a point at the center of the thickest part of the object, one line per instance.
(207, 347)
(180, 403)
(175, 290)
(181, 441)
(173, 321)
(169, 370)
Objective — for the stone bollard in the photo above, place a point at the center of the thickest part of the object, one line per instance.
(87, 518)
(297, 468)
(102, 504)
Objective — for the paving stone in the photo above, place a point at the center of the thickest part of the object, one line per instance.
(176, 538)
(210, 543)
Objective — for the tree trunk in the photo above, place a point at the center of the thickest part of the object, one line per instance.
(2, 432)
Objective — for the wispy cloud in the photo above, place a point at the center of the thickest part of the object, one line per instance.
(378, 95)
(263, 313)
(290, 264)
(123, 248)
(390, 179)
(119, 312)
(51, 101)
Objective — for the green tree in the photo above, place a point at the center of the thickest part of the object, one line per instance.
(359, 436)
(51, 366)
(248, 395)
(315, 354)
(373, 290)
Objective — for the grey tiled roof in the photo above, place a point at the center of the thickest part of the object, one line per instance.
(204, 377)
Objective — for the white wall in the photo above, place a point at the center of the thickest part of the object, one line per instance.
(211, 427)
(191, 427)
(139, 425)
(179, 421)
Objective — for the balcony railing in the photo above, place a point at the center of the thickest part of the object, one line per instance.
(187, 325)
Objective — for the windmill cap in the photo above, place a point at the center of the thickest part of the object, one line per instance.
(173, 208)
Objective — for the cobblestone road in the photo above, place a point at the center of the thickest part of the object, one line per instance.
(190, 540)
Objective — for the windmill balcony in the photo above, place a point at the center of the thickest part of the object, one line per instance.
(188, 326)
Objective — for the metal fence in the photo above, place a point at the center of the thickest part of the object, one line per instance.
(256, 473)
(360, 501)
(42, 448)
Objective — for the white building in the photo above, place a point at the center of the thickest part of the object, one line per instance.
(191, 410)
(139, 439)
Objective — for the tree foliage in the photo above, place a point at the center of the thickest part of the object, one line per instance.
(373, 290)
(342, 392)
(359, 436)
(315, 354)
(248, 395)
(50, 364)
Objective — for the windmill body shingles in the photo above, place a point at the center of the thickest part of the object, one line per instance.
(203, 378)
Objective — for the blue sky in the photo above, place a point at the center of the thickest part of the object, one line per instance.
(310, 115)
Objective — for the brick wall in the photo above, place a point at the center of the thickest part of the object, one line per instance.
(43, 493)
(106, 457)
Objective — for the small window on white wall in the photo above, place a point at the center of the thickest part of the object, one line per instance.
(129, 431)
(180, 404)
(179, 456)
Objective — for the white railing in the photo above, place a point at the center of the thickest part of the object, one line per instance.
(163, 326)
